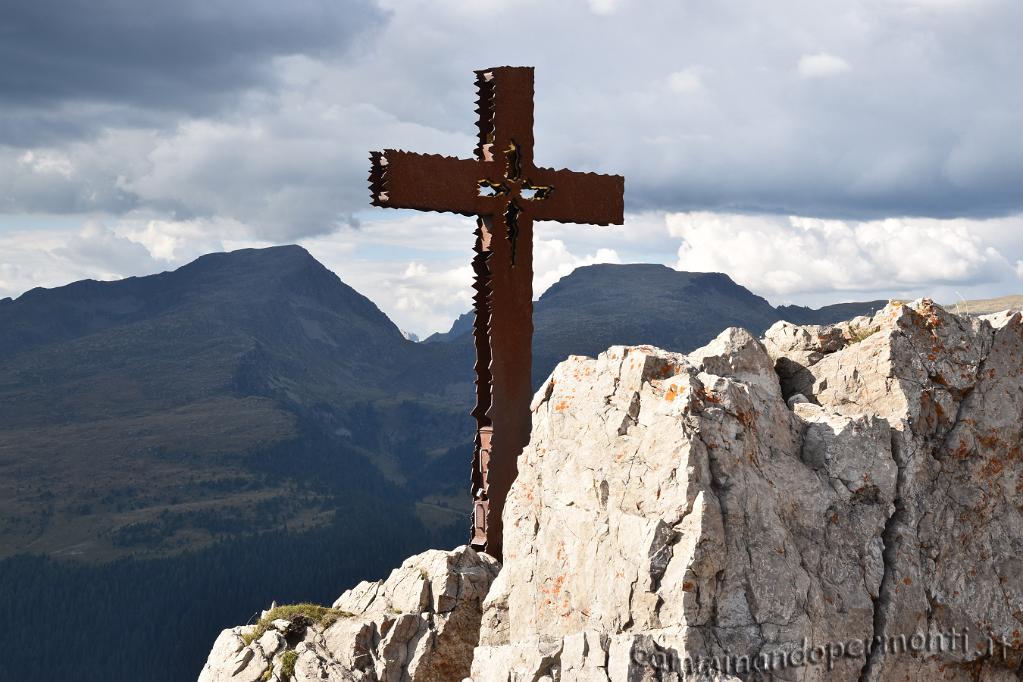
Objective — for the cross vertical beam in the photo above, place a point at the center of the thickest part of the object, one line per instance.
(506, 191)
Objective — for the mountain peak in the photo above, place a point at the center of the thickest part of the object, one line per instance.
(623, 279)
(228, 282)
(268, 265)
(604, 268)
(290, 254)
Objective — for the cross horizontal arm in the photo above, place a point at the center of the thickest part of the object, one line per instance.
(427, 182)
(579, 197)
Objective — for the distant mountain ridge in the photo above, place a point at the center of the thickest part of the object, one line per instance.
(172, 386)
(88, 306)
(259, 350)
(597, 306)
(461, 326)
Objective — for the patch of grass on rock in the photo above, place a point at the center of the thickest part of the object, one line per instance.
(288, 659)
(857, 334)
(299, 614)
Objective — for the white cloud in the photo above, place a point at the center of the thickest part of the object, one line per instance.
(605, 7)
(938, 4)
(180, 241)
(416, 266)
(52, 258)
(686, 81)
(47, 161)
(822, 65)
(414, 270)
(109, 250)
(552, 260)
(816, 260)
(306, 155)
(423, 298)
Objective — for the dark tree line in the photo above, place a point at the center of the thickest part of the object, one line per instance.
(155, 620)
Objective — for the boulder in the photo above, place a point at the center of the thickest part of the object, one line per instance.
(418, 625)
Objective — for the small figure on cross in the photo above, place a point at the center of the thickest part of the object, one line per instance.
(507, 192)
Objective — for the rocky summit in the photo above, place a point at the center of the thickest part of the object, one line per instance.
(839, 502)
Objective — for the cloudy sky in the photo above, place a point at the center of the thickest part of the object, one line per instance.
(816, 152)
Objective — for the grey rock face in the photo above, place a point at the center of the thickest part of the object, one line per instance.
(828, 503)
(676, 511)
(419, 625)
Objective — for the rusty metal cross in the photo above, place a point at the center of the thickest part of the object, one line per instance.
(506, 192)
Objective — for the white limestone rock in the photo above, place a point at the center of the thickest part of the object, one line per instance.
(418, 625)
(673, 508)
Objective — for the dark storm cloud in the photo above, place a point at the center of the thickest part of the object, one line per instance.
(69, 66)
(262, 113)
